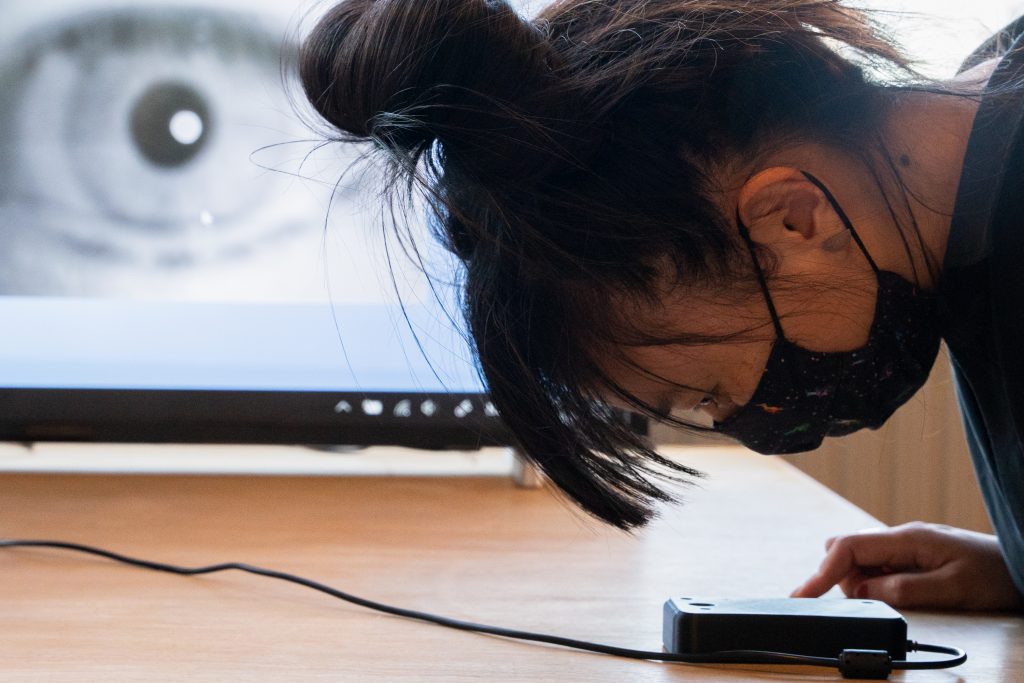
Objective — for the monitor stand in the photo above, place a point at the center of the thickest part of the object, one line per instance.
(524, 473)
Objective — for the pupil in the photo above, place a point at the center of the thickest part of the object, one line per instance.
(170, 123)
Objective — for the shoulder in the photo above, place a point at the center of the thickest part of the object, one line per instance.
(994, 46)
(979, 74)
(982, 280)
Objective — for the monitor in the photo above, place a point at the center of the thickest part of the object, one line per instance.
(183, 261)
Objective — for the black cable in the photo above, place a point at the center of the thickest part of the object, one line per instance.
(959, 656)
(723, 657)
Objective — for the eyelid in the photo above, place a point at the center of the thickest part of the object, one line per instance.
(706, 400)
(709, 398)
(673, 401)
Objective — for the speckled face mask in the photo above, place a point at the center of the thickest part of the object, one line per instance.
(804, 396)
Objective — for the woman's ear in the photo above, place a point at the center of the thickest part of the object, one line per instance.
(780, 203)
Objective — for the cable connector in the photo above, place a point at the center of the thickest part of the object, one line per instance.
(873, 664)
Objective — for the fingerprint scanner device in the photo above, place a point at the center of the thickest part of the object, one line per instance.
(804, 626)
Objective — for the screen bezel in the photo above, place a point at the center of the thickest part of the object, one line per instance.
(245, 417)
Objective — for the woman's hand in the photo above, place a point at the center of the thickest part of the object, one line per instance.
(917, 565)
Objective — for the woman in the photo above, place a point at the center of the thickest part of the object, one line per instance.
(754, 210)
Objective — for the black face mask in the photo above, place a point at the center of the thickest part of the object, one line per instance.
(804, 396)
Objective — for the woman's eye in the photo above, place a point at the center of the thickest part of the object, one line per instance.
(134, 148)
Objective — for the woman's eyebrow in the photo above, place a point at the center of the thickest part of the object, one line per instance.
(677, 392)
(664, 380)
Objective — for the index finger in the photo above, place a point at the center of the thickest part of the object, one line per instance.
(847, 555)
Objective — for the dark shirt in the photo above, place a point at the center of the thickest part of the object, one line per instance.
(981, 293)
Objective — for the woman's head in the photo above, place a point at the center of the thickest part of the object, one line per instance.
(587, 168)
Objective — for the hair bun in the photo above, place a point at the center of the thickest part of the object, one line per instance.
(469, 73)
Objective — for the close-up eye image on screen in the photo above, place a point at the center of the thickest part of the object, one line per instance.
(178, 246)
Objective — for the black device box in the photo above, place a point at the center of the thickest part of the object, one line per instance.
(819, 627)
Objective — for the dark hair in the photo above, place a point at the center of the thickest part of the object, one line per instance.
(568, 160)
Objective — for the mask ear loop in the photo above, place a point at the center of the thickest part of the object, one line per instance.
(781, 336)
(856, 238)
(843, 217)
(760, 275)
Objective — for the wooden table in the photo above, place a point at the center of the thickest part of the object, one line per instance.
(475, 548)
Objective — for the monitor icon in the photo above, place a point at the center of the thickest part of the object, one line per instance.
(428, 408)
(403, 408)
(372, 407)
(342, 407)
(464, 408)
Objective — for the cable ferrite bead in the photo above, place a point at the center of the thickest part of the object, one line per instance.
(865, 664)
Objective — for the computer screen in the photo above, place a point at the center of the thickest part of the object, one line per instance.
(183, 260)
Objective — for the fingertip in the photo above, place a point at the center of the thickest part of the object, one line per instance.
(809, 589)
